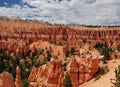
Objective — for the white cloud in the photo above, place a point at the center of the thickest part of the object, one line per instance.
(5, 3)
(94, 12)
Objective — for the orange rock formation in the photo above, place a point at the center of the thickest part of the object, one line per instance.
(48, 75)
(70, 36)
(82, 69)
(18, 81)
(6, 80)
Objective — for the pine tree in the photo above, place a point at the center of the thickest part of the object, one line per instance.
(67, 81)
(116, 80)
(72, 51)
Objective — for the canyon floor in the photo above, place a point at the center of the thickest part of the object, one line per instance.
(104, 80)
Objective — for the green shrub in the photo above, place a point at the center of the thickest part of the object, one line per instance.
(97, 77)
(25, 83)
(116, 80)
(67, 81)
(72, 51)
(104, 70)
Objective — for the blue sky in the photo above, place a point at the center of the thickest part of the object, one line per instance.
(88, 12)
(9, 2)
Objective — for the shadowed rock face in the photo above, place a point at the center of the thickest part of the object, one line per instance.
(6, 80)
(48, 75)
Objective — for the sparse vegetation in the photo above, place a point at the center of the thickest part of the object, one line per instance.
(72, 51)
(97, 77)
(103, 70)
(9, 63)
(60, 43)
(116, 81)
(25, 83)
(104, 50)
(64, 66)
(67, 81)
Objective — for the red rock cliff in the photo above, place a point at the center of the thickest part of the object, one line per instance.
(82, 69)
(48, 75)
(70, 35)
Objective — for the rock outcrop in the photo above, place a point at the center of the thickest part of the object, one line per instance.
(82, 69)
(73, 71)
(48, 47)
(48, 75)
(23, 48)
(6, 80)
(18, 81)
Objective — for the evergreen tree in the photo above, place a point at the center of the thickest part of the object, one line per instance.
(67, 81)
(1, 65)
(104, 50)
(25, 83)
(116, 80)
(72, 51)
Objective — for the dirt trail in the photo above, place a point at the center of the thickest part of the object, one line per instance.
(104, 81)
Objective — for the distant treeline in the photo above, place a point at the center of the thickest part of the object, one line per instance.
(41, 21)
(94, 26)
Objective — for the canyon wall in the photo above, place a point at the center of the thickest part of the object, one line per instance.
(70, 36)
(28, 36)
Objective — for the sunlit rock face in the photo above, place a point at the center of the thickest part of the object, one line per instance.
(82, 69)
(48, 75)
(18, 81)
(70, 36)
(6, 80)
